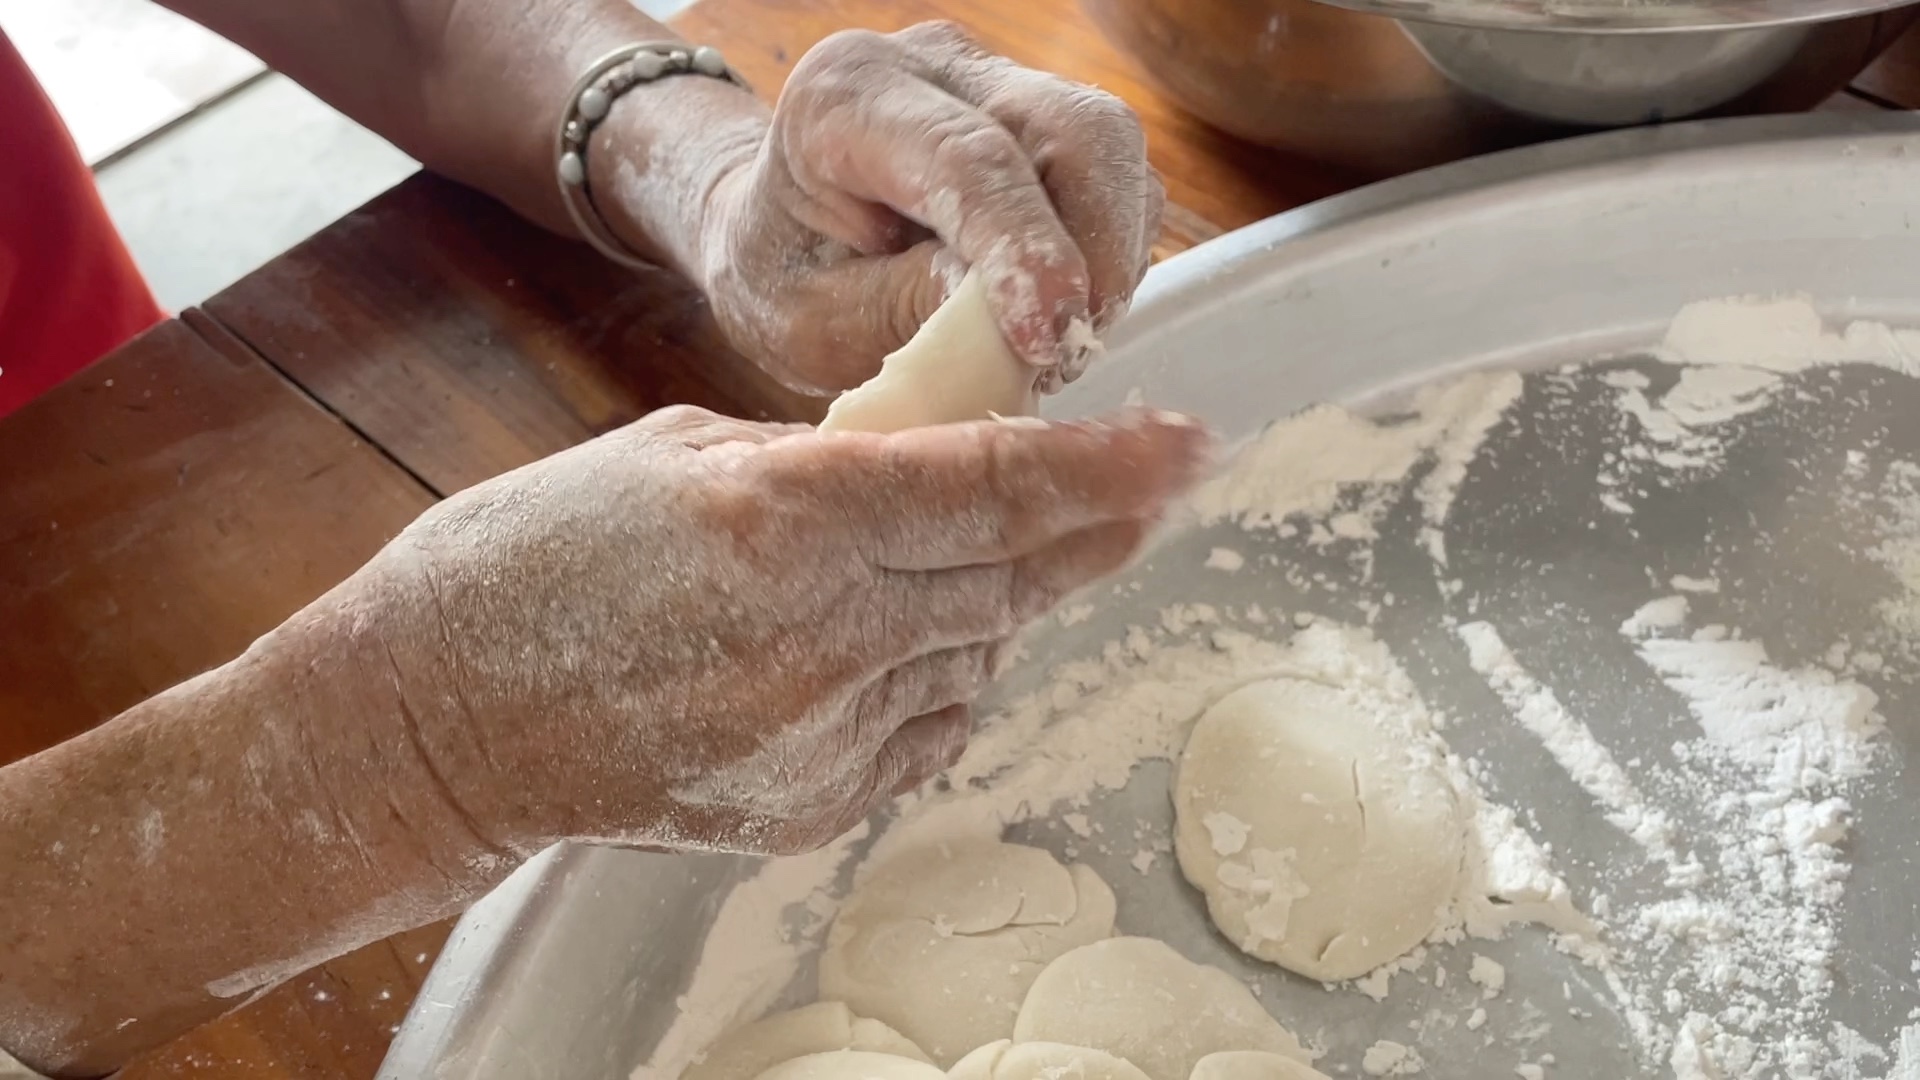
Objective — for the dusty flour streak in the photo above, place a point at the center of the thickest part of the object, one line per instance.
(1745, 960)
(1734, 355)
(1305, 465)
(1906, 1060)
(1573, 745)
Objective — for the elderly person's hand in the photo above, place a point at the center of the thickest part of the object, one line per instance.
(893, 161)
(697, 632)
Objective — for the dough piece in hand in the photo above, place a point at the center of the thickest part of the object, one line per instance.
(751, 1049)
(1006, 1060)
(1326, 840)
(942, 942)
(958, 367)
(853, 1065)
(1137, 999)
(1251, 1065)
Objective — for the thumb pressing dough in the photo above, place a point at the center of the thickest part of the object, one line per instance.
(1005, 1060)
(751, 1049)
(853, 1065)
(1325, 841)
(1137, 999)
(956, 368)
(942, 942)
(1251, 1065)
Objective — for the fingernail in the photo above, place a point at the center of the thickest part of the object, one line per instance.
(1031, 423)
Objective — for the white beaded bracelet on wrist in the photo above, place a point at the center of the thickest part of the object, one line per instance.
(589, 103)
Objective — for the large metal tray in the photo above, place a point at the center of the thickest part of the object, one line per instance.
(1526, 259)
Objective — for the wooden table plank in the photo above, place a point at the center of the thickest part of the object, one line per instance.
(1894, 79)
(158, 513)
(467, 342)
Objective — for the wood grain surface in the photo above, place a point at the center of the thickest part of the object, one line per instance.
(467, 342)
(158, 513)
(1894, 79)
(187, 493)
(161, 511)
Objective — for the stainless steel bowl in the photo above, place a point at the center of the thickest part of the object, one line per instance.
(1384, 86)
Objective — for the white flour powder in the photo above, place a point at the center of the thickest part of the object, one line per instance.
(1590, 764)
(1732, 356)
(1304, 466)
(1776, 747)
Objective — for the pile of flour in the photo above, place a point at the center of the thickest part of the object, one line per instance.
(1720, 964)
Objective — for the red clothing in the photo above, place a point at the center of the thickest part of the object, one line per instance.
(69, 291)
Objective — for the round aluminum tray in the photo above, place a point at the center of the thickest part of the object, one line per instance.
(1529, 259)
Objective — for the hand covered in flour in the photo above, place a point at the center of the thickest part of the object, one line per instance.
(697, 632)
(893, 162)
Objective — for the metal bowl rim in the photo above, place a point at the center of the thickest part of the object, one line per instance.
(1617, 19)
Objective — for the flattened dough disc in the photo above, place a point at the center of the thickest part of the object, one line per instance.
(956, 368)
(1006, 1060)
(751, 1049)
(1138, 999)
(853, 1065)
(1251, 1065)
(1325, 842)
(942, 942)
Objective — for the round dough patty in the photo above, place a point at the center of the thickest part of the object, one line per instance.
(1251, 1065)
(751, 1049)
(941, 943)
(1326, 836)
(853, 1065)
(1006, 1060)
(1137, 999)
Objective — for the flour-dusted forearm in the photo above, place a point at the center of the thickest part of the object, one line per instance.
(217, 839)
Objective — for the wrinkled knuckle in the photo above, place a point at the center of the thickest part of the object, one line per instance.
(879, 636)
(953, 741)
(832, 75)
(1001, 478)
(1029, 596)
(841, 50)
(943, 35)
(1099, 135)
(738, 520)
(676, 416)
(1107, 114)
(986, 154)
(908, 310)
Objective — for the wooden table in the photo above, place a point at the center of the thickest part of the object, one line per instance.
(191, 490)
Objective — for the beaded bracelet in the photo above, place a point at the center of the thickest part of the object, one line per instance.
(589, 103)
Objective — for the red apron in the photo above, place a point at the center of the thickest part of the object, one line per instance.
(69, 291)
